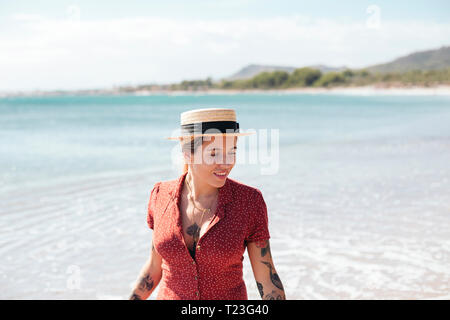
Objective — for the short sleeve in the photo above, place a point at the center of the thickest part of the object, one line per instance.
(258, 222)
(152, 205)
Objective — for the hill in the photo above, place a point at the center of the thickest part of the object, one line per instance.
(437, 59)
(253, 69)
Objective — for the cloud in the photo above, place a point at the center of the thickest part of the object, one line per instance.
(26, 17)
(74, 53)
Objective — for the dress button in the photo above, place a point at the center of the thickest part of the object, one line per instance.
(193, 262)
(196, 278)
(196, 293)
(198, 247)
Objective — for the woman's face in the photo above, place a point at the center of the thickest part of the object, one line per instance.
(214, 159)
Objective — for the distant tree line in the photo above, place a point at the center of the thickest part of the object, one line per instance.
(193, 85)
(309, 77)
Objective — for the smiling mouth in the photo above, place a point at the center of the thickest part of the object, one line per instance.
(220, 175)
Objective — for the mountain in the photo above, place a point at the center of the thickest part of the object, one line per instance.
(325, 69)
(423, 60)
(253, 69)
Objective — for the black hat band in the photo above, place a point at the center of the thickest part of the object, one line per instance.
(202, 127)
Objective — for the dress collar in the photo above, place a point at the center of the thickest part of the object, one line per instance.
(224, 196)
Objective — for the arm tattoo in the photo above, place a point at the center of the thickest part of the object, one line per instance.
(146, 283)
(274, 276)
(264, 246)
(134, 296)
(260, 289)
(270, 296)
(273, 296)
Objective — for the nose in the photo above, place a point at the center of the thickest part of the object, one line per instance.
(227, 160)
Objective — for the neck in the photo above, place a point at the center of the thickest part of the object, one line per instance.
(199, 188)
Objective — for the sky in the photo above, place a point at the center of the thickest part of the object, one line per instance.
(65, 45)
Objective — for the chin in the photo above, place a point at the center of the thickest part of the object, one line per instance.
(217, 183)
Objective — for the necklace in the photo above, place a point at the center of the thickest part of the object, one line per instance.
(194, 229)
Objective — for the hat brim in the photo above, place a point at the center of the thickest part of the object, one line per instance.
(237, 134)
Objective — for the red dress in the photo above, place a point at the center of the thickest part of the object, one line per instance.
(216, 272)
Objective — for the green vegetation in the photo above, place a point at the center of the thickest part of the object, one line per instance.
(304, 77)
(193, 85)
(308, 77)
(330, 79)
(267, 80)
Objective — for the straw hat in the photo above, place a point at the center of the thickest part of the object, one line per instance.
(209, 122)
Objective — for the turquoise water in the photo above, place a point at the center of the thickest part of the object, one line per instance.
(49, 138)
(357, 191)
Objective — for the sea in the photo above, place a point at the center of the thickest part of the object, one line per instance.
(357, 188)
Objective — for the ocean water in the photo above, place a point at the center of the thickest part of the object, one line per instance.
(357, 189)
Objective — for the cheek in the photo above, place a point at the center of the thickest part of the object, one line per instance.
(208, 169)
(208, 160)
(205, 170)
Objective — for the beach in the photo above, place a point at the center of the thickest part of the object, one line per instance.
(358, 197)
(370, 90)
(442, 90)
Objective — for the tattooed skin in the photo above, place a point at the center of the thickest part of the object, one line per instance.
(273, 296)
(274, 276)
(193, 230)
(134, 296)
(264, 246)
(260, 288)
(146, 283)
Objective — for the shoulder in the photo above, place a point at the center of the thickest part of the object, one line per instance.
(242, 190)
(160, 196)
(166, 186)
(162, 189)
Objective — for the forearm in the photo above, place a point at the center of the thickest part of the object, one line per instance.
(148, 279)
(267, 279)
(273, 289)
(144, 286)
(271, 292)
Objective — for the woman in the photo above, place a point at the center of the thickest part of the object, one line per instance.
(203, 221)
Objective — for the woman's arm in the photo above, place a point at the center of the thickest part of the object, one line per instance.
(267, 279)
(149, 277)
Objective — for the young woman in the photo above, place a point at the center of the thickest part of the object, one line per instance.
(203, 221)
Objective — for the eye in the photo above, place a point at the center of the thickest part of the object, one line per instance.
(213, 153)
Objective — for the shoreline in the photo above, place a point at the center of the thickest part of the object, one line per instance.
(365, 90)
(440, 90)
